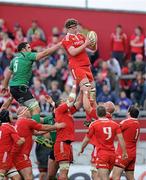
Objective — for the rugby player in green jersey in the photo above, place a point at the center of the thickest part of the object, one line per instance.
(19, 75)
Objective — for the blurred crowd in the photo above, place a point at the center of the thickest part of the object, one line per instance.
(120, 79)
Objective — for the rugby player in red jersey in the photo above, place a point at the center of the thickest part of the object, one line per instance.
(26, 127)
(8, 138)
(92, 115)
(105, 131)
(63, 148)
(130, 129)
(75, 44)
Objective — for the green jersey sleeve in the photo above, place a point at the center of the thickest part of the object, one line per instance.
(31, 56)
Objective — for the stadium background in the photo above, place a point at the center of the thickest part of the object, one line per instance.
(101, 21)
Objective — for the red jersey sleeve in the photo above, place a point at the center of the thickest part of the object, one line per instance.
(34, 125)
(72, 109)
(66, 42)
(123, 125)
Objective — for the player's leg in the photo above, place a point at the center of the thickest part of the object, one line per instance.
(63, 170)
(103, 173)
(53, 166)
(43, 174)
(129, 170)
(16, 177)
(94, 173)
(117, 172)
(80, 76)
(63, 155)
(2, 174)
(22, 163)
(42, 154)
(27, 173)
(90, 77)
(130, 175)
(94, 170)
(13, 174)
(23, 95)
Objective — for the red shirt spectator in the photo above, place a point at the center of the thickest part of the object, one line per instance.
(119, 40)
(137, 46)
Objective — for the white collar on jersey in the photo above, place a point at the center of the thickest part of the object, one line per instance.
(103, 119)
(72, 34)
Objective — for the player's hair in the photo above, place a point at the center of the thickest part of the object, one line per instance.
(21, 46)
(119, 26)
(133, 111)
(101, 111)
(4, 116)
(71, 22)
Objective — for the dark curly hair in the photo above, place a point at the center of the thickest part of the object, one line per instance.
(71, 22)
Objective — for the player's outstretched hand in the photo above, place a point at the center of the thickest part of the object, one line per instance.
(49, 100)
(60, 125)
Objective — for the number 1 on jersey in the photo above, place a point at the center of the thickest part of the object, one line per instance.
(108, 131)
(137, 133)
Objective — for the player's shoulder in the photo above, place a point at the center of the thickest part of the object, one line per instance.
(94, 123)
(68, 37)
(113, 122)
(8, 126)
(129, 121)
(25, 120)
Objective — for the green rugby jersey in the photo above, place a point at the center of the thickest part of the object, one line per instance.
(21, 66)
(50, 120)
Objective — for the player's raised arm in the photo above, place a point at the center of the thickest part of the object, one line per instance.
(6, 81)
(53, 127)
(75, 51)
(7, 103)
(48, 51)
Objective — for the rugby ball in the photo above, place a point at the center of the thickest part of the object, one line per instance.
(92, 35)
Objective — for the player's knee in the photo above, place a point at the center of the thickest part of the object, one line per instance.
(2, 176)
(28, 177)
(62, 177)
(92, 84)
(115, 176)
(85, 87)
(63, 167)
(92, 94)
